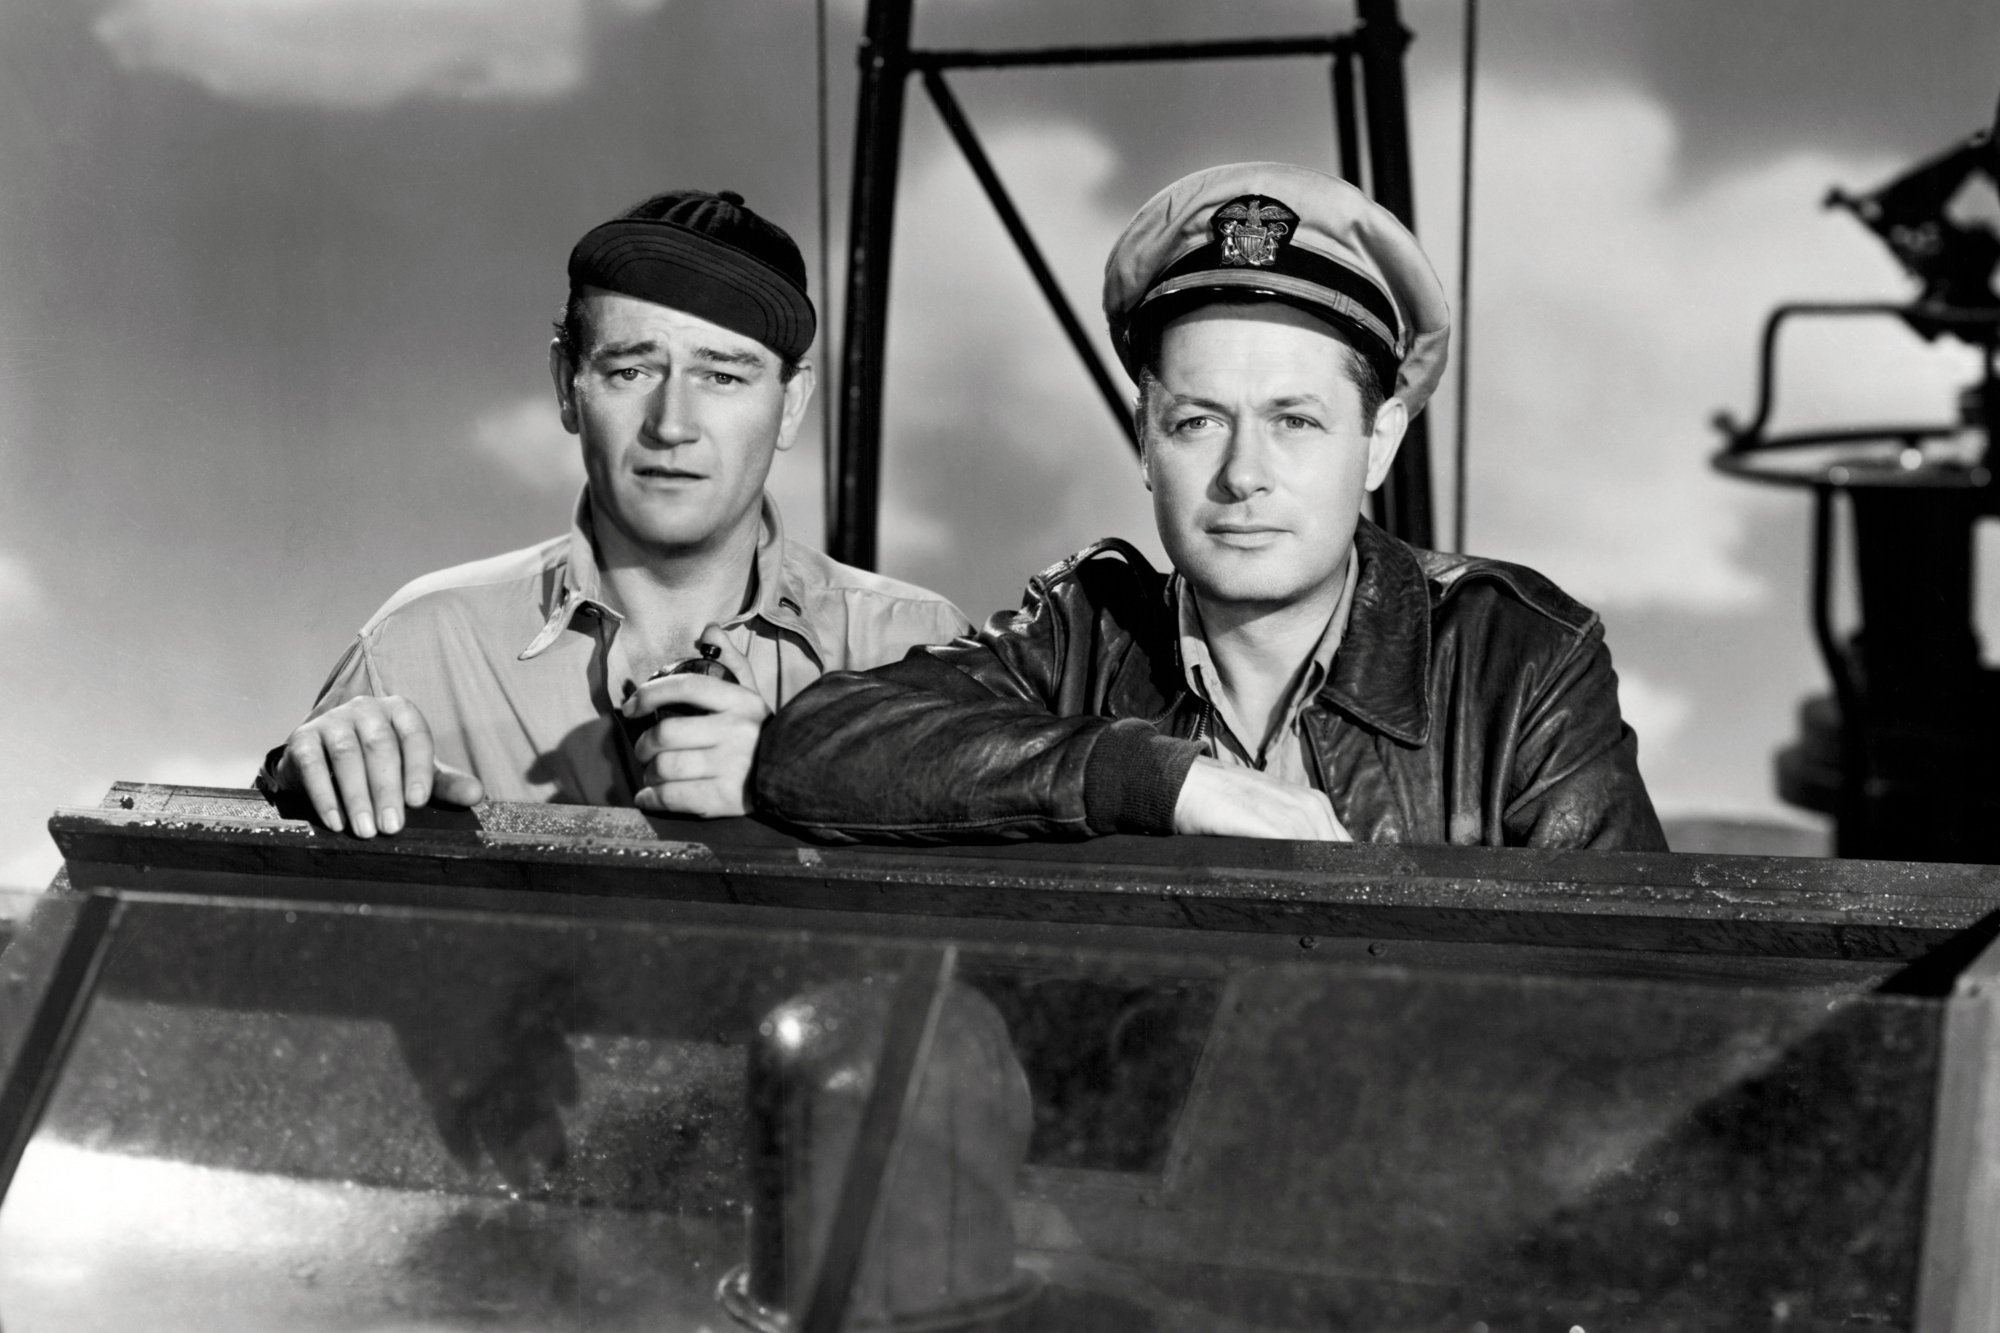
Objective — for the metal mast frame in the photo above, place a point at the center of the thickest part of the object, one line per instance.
(1376, 46)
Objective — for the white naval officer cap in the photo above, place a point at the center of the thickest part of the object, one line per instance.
(1273, 231)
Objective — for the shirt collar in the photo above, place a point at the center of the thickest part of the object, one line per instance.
(577, 585)
(1198, 666)
(1384, 680)
(781, 592)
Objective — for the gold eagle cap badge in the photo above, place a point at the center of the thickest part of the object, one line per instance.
(1251, 228)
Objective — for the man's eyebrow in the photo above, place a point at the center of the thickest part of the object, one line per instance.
(1190, 400)
(613, 351)
(726, 357)
(1284, 404)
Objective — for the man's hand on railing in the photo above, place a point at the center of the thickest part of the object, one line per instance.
(1243, 803)
(371, 757)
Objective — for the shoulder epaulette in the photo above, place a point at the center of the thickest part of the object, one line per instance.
(1453, 572)
(1105, 548)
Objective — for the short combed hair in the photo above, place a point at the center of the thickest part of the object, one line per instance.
(1362, 372)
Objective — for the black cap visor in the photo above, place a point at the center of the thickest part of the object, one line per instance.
(1160, 308)
(1301, 277)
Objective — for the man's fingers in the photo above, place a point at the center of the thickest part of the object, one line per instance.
(683, 766)
(424, 777)
(1316, 814)
(707, 693)
(1306, 814)
(705, 797)
(727, 654)
(307, 761)
(1337, 830)
(414, 736)
(1243, 803)
(1326, 825)
(698, 763)
(382, 756)
(350, 776)
(697, 731)
(369, 757)
(455, 786)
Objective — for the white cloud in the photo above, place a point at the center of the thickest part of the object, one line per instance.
(526, 440)
(36, 862)
(33, 866)
(1658, 713)
(913, 538)
(1612, 316)
(1000, 456)
(190, 768)
(20, 591)
(357, 54)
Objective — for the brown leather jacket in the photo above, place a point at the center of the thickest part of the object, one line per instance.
(1470, 701)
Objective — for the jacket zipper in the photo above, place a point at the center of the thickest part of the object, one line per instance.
(1201, 724)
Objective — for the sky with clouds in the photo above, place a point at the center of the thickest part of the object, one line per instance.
(276, 275)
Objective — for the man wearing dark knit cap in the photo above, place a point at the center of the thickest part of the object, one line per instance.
(1298, 673)
(534, 676)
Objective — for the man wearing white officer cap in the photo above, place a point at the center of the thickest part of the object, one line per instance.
(1299, 673)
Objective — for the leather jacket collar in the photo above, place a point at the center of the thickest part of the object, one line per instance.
(1381, 673)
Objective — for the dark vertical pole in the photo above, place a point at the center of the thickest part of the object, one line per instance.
(871, 218)
(828, 391)
(1347, 118)
(1849, 838)
(1462, 317)
(1382, 39)
(1921, 679)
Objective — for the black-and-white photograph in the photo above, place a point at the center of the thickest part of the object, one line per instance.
(887, 665)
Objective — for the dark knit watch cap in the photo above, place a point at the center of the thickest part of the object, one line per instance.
(1272, 231)
(709, 255)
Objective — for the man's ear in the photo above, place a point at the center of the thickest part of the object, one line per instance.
(564, 374)
(1392, 420)
(798, 393)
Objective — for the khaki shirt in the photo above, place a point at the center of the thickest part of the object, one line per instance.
(515, 662)
(1283, 756)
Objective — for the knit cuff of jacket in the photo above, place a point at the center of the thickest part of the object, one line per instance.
(1133, 778)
